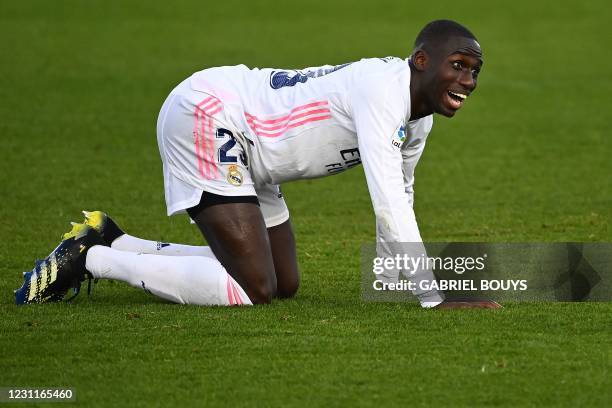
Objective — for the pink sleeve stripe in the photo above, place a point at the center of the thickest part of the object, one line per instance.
(204, 104)
(206, 145)
(204, 136)
(206, 100)
(212, 174)
(215, 111)
(286, 116)
(236, 294)
(196, 141)
(294, 118)
(229, 290)
(210, 106)
(280, 132)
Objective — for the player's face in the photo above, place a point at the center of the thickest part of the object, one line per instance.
(455, 73)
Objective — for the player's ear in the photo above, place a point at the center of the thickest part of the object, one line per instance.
(420, 60)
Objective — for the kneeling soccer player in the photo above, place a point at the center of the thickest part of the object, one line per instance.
(229, 136)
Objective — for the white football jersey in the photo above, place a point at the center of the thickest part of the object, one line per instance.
(320, 121)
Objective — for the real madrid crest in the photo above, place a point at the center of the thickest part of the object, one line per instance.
(234, 177)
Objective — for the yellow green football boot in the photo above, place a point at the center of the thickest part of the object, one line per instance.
(104, 224)
(62, 270)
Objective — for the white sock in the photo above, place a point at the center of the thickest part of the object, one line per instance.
(132, 244)
(194, 280)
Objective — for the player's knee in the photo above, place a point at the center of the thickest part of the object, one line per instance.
(261, 295)
(262, 292)
(288, 289)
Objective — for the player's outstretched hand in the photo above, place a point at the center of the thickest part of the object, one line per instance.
(469, 304)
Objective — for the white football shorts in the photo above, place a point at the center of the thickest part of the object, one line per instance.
(201, 150)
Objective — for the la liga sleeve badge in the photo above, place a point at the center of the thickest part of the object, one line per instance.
(399, 137)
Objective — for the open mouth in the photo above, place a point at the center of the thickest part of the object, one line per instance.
(456, 99)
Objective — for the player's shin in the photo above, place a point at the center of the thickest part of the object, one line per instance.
(187, 280)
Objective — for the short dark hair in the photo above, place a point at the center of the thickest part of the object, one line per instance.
(439, 30)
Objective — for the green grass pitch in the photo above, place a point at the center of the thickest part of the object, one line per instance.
(528, 159)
